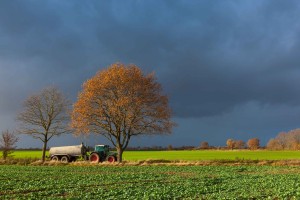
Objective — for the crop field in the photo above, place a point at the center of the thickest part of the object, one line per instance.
(149, 182)
(192, 155)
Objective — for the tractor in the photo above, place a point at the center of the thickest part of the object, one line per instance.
(101, 153)
(72, 153)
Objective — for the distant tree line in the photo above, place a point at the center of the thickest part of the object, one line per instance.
(285, 141)
(252, 144)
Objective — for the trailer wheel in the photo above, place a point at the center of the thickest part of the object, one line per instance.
(111, 159)
(55, 158)
(94, 157)
(64, 159)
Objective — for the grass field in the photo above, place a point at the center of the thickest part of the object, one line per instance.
(149, 182)
(192, 155)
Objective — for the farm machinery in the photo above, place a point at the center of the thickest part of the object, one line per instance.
(71, 153)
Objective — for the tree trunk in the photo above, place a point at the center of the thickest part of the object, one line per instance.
(4, 154)
(120, 153)
(44, 151)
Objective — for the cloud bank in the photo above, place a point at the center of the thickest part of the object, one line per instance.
(214, 59)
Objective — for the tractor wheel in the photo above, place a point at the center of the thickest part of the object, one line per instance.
(64, 159)
(111, 159)
(55, 158)
(94, 157)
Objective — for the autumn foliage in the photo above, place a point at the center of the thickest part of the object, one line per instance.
(253, 143)
(235, 144)
(204, 145)
(120, 102)
(230, 143)
(285, 141)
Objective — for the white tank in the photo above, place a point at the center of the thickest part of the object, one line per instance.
(76, 150)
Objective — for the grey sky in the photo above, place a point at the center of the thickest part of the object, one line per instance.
(231, 68)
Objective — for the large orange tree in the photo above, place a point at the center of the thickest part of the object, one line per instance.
(121, 102)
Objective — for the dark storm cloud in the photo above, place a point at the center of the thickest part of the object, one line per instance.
(210, 56)
(251, 55)
(209, 47)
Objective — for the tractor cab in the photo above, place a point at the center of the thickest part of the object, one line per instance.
(102, 148)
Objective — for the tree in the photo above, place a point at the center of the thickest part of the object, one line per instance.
(44, 116)
(230, 143)
(282, 139)
(239, 144)
(121, 102)
(287, 141)
(273, 144)
(253, 143)
(292, 139)
(7, 142)
(204, 145)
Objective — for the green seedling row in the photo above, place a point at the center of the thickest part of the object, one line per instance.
(149, 182)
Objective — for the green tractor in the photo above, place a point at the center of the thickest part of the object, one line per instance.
(101, 153)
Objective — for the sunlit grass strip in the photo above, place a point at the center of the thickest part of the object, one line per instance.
(196, 155)
(27, 154)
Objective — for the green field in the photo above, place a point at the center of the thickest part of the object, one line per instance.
(149, 182)
(192, 155)
(74, 181)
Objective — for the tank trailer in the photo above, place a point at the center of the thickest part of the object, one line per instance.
(72, 153)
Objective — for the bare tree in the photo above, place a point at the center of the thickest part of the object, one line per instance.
(204, 145)
(273, 144)
(230, 143)
(287, 141)
(282, 139)
(239, 144)
(293, 139)
(44, 116)
(7, 142)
